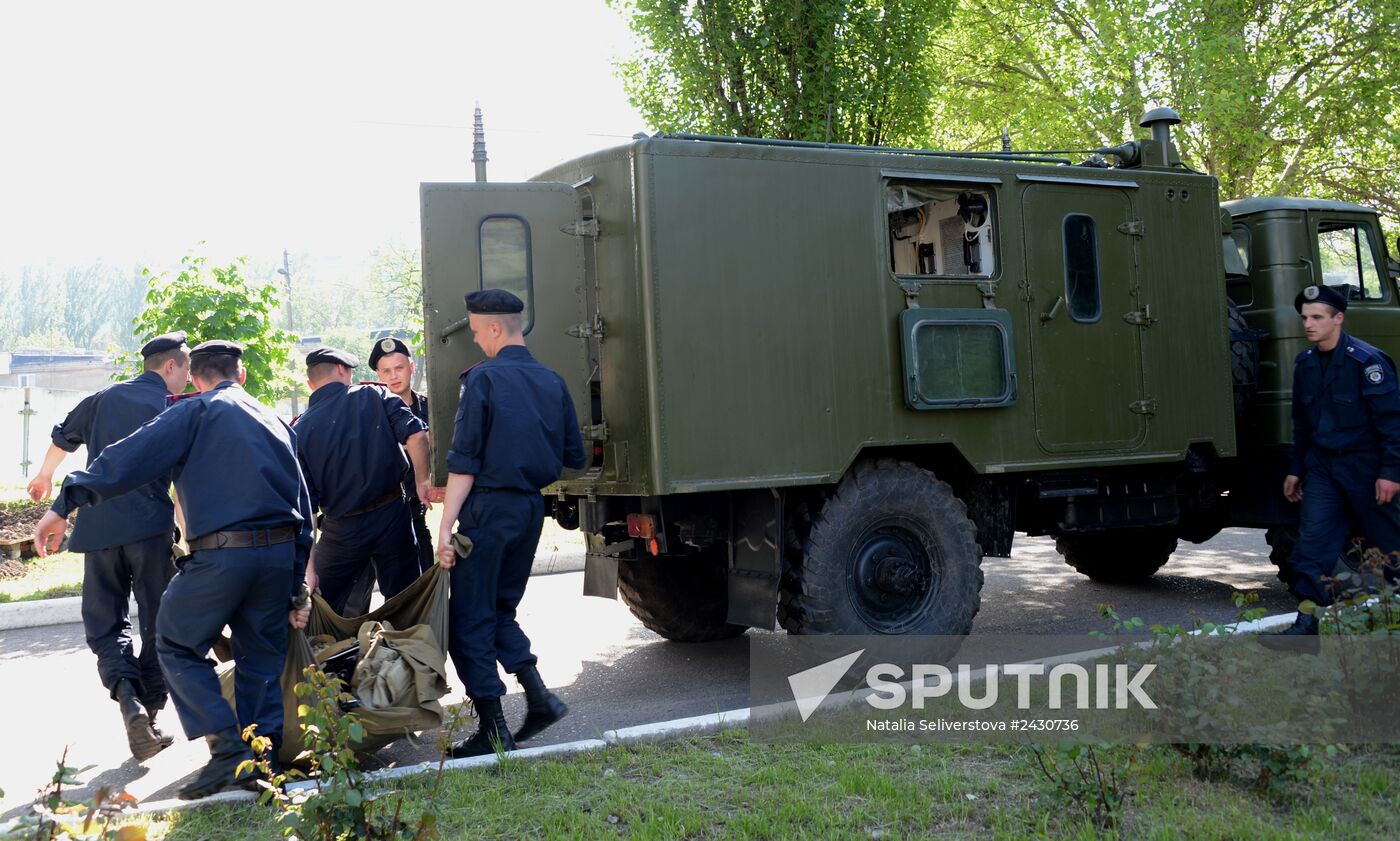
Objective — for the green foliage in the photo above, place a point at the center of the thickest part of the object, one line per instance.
(396, 279)
(218, 302)
(1090, 780)
(342, 807)
(1296, 97)
(73, 307)
(774, 68)
(56, 818)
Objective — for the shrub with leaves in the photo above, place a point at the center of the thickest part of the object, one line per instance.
(218, 302)
(55, 818)
(1091, 780)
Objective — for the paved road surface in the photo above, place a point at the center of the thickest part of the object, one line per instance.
(610, 670)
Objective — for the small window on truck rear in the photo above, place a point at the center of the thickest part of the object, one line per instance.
(940, 229)
(504, 245)
(957, 358)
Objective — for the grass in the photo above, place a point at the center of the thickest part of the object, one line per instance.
(729, 787)
(56, 576)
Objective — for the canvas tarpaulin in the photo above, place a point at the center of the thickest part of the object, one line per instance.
(416, 621)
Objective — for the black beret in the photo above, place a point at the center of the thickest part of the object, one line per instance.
(386, 346)
(1321, 295)
(162, 343)
(330, 354)
(494, 302)
(218, 346)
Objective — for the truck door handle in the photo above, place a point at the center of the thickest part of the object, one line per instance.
(1054, 309)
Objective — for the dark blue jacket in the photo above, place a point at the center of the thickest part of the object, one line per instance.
(233, 460)
(349, 442)
(1353, 408)
(102, 419)
(516, 427)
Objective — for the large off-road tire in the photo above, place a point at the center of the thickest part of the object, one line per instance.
(683, 598)
(1119, 556)
(1244, 360)
(892, 551)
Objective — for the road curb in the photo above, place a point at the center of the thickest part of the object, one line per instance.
(69, 609)
(661, 731)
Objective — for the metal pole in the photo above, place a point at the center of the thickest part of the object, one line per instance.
(27, 412)
(286, 271)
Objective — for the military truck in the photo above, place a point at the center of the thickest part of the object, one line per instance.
(821, 383)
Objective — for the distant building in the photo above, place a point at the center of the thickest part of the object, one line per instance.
(74, 370)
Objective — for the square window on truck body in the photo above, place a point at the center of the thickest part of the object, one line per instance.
(940, 230)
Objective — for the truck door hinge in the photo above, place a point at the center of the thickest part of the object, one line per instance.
(1133, 228)
(1143, 407)
(598, 329)
(1142, 317)
(582, 228)
(596, 432)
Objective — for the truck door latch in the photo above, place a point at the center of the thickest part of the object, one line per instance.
(1143, 407)
(582, 228)
(597, 329)
(1133, 228)
(1142, 317)
(596, 432)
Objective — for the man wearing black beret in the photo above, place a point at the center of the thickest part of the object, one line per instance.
(351, 441)
(126, 541)
(516, 429)
(249, 516)
(393, 363)
(1344, 465)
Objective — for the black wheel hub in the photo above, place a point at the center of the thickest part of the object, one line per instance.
(892, 578)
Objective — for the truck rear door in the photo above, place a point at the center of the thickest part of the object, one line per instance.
(529, 238)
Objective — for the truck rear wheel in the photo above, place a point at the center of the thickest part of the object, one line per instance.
(1120, 556)
(891, 552)
(1244, 359)
(684, 598)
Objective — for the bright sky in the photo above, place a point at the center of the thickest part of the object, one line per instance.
(134, 130)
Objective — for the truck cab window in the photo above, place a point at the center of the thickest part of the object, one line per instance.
(1349, 260)
(938, 230)
(1082, 268)
(505, 260)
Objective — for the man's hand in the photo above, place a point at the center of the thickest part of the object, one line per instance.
(40, 487)
(447, 554)
(1293, 488)
(313, 581)
(1385, 490)
(51, 527)
(425, 490)
(299, 616)
(436, 495)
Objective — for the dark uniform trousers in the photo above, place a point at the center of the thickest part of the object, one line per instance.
(110, 577)
(383, 536)
(504, 527)
(249, 590)
(427, 555)
(1339, 495)
(357, 603)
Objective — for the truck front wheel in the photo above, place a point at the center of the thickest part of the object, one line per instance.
(684, 598)
(891, 552)
(1120, 556)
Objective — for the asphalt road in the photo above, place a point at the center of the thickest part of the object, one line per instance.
(609, 669)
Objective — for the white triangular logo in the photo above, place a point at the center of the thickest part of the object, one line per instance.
(810, 687)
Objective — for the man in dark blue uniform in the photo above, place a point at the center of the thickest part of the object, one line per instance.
(393, 363)
(125, 542)
(351, 443)
(515, 431)
(1344, 466)
(246, 507)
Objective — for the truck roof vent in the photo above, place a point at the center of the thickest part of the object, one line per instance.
(1160, 121)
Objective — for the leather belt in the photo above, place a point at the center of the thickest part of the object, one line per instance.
(394, 495)
(244, 539)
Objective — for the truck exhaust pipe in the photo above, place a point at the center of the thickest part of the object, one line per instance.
(1160, 121)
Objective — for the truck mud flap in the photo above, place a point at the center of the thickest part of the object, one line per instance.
(755, 559)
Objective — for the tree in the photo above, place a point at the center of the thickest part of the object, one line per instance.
(219, 303)
(396, 279)
(1294, 97)
(848, 71)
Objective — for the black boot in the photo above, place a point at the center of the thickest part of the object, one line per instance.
(491, 735)
(1300, 637)
(226, 753)
(542, 707)
(140, 736)
(165, 739)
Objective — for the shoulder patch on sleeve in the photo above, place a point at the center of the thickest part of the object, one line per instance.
(1375, 374)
